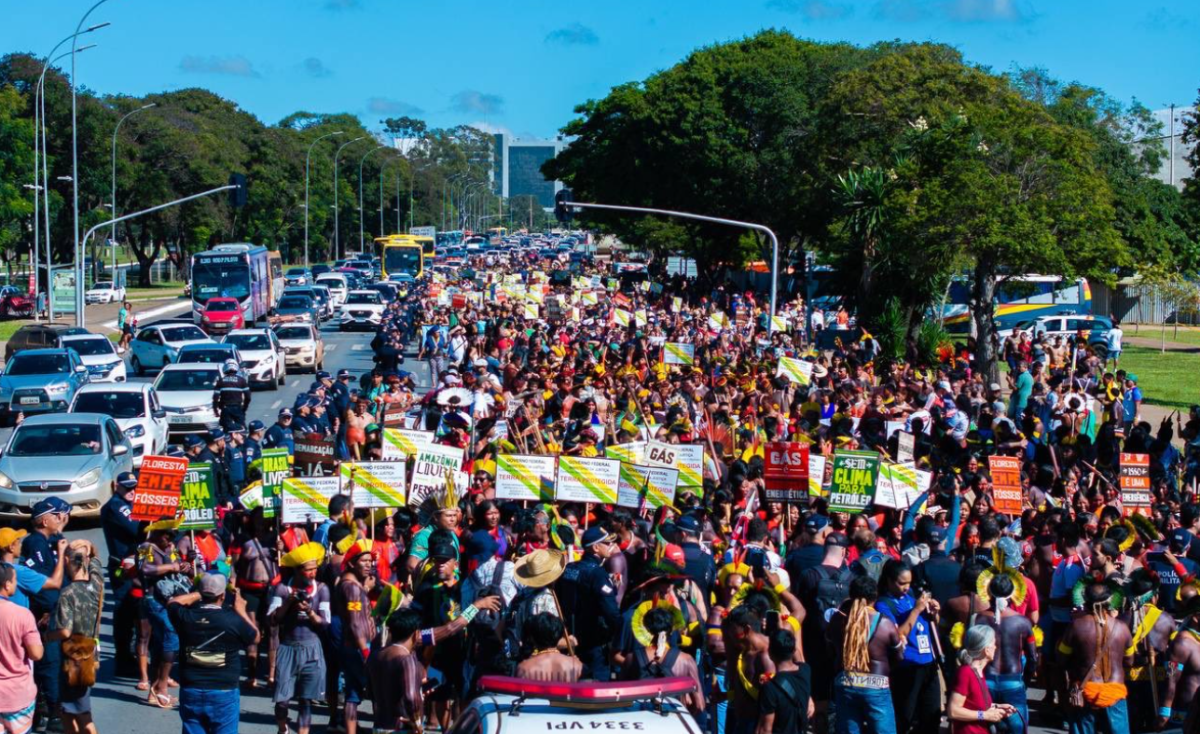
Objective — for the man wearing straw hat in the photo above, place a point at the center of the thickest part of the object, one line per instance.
(534, 573)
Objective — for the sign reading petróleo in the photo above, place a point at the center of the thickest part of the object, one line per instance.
(853, 487)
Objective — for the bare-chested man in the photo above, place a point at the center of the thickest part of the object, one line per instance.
(747, 660)
(548, 663)
(1093, 651)
(1152, 631)
(353, 607)
(864, 645)
(1014, 639)
(396, 675)
(1179, 701)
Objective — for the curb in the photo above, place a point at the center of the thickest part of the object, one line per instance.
(161, 311)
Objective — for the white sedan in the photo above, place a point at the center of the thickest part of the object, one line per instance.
(99, 355)
(159, 345)
(135, 408)
(262, 356)
(186, 393)
(302, 345)
(362, 309)
(104, 291)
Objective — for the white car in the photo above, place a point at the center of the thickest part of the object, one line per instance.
(99, 355)
(303, 347)
(158, 346)
(104, 291)
(135, 408)
(337, 285)
(186, 394)
(263, 357)
(517, 706)
(362, 309)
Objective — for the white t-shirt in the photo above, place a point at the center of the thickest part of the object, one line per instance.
(1114, 337)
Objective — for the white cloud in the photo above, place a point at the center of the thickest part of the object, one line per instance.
(226, 65)
(387, 106)
(474, 101)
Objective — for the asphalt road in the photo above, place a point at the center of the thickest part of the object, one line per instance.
(117, 704)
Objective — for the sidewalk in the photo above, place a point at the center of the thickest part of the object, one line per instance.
(102, 317)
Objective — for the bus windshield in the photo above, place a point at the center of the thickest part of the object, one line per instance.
(220, 276)
(402, 260)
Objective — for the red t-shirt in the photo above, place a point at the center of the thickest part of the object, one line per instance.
(978, 697)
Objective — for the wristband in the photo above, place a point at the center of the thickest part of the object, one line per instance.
(427, 637)
(1165, 712)
(780, 588)
(979, 715)
(470, 612)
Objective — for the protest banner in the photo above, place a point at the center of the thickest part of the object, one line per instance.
(679, 353)
(785, 471)
(896, 486)
(1006, 484)
(587, 480)
(401, 443)
(639, 318)
(816, 475)
(718, 321)
(854, 476)
(306, 499)
(314, 455)
(374, 483)
(621, 317)
(275, 468)
(1135, 484)
(198, 498)
(251, 497)
(780, 323)
(906, 446)
(589, 298)
(160, 484)
(798, 371)
(687, 458)
(522, 477)
(531, 311)
(648, 486)
(429, 472)
(633, 452)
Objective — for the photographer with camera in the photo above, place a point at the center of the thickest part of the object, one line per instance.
(300, 608)
(77, 626)
(916, 687)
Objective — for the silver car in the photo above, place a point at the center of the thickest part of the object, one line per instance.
(40, 381)
(76, 457)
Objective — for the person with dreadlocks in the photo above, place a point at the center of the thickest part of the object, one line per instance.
(1179, 702)
(1094, 652)
(864, 645)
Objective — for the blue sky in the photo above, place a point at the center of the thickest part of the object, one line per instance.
(522, 65)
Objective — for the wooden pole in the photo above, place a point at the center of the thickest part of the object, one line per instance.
(558, 606)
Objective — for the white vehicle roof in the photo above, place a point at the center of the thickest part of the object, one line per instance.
(191, 367)
(332, 276)
(247, 332)
(142, 387)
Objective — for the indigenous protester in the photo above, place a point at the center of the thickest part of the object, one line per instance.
(300, 610)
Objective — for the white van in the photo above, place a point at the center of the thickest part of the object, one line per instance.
(337, 285)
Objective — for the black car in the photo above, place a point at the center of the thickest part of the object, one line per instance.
(39, 336)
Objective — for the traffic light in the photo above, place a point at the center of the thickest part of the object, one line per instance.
(562, 209)
(237, 197)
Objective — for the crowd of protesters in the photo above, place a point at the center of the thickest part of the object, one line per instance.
(787, 616)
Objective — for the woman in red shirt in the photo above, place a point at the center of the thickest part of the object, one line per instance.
(970, 708)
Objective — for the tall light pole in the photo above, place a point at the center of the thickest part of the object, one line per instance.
(445, 181)
(381, 199)
(337, 236)
(113, 235)
(307, 159)
(75, 169)
(360, 192)
(40, 101)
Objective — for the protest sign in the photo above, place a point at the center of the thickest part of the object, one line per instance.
(785, 471)
(198, 498)
(587, 480)
(676, 304)
(314, 455)
(275, 468)
(394, 414)
(639, 318)
(853, 485)
(906, 446)
(160, 484)
(306, 499)
(1135, 484)
(531, 311)
(429, 472)
(633, 452)
(401, 443)
(816, 475)
(649, 486)
(798, 371)
(779, 323)
(718, 321)
(896, 486)
(374, 483)
(589, 298)
(621, 317)
(521, 477)
(251, 497)
(687, 458)
(679, 353)
(1006, 484)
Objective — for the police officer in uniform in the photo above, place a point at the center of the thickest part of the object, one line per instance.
(235, 456)
(214, 455)
(39, 551)
(253, 445)
(339, 403)
(279, 436)
(589, 602)
(121, 538)
(193, 445)
(231, 396)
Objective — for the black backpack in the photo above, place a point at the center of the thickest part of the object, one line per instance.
(832, 590)
(648, 669)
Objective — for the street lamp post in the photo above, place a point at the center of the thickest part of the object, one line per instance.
(113, 234)
(307, 159)
(360, 192)
(337, 235)
(704, 218)
(75, 170)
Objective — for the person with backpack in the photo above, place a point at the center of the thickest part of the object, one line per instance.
(822, 590)
(655, 657)
(784, 704)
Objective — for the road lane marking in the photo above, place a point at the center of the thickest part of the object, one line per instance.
(357, 347)
(276, 404)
